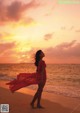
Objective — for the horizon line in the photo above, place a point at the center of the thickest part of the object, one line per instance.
(33, 63)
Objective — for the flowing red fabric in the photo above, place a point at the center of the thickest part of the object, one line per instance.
(26, 79)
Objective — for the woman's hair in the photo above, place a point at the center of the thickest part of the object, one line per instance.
(37, 57)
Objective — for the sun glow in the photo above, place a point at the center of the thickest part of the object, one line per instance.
(23, 47)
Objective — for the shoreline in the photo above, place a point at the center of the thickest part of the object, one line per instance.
(51, 102)
(70, 95)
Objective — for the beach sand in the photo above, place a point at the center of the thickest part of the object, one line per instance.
(19, 101)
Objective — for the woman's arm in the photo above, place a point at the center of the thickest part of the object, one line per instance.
(42, 73)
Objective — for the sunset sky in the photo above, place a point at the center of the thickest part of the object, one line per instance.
(49, 25)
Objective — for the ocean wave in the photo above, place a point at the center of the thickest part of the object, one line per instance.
(64, 90)
(69, 91)
(6, 77)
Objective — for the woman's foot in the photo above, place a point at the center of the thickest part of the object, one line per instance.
(32, 105)
(40, 107)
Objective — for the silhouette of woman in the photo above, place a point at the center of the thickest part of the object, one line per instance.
(26, 79)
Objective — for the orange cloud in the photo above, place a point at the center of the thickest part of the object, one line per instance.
(59, 54)
(14, 11)
(7, 53)
(78, 31)
(48, 36)
(5, 35)
(6, 46)
(1, 35)
(72, 27)
(67, 45)
(63, 27)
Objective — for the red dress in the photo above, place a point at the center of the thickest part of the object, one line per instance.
(26, 79)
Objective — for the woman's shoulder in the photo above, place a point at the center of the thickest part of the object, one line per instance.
(42, 62)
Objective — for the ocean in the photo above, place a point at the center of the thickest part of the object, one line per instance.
(62, 79)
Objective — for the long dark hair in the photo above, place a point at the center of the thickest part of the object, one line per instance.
(37, 57)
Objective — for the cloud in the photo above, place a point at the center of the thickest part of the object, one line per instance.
(1, 35)
(72, 27)
(78, 31)
(5, 35)
(48, 36)
(59, 54)
(8, 56)
(6, 46)
(7, 52)
(26, 56)
(32, 4)
(67, 45)
(67, 52)
(14, 11)
(28, 21)
(2, 11)
(63, 27)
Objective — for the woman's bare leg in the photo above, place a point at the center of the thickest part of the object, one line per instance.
(41, 86)
(35, 97)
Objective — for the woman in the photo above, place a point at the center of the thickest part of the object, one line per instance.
(26, 79)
